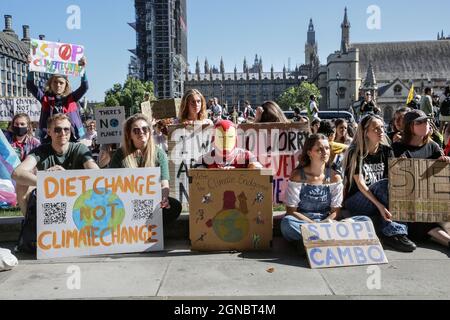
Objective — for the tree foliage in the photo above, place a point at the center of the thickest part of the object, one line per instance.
(298, 96)
(130, 95)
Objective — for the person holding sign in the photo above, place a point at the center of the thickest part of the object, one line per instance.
(57, 97)
(139, 151)
(314, 192)
(225, 153)
(193, 109)
(417, 143)
(366, 182)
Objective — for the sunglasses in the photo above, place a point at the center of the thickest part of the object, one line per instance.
(58, 130)
(143, 130)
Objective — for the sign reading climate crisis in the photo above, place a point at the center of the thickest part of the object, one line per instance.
(83, 213)
(109, 122)
(56, 58)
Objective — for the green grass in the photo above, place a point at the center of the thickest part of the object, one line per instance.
(11, 212)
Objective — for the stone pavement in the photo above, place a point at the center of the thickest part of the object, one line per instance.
(178, 273)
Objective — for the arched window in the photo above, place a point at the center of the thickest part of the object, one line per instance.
(398, 90)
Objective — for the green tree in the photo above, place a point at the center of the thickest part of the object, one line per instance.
(298, 96)
(130, 95)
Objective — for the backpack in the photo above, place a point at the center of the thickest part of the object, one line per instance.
(445, 107)
(27, 237)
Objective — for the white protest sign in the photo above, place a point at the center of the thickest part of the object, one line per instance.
(84, 213)
(12, 106)
(56, 58)
(342, 244)
(109, 122)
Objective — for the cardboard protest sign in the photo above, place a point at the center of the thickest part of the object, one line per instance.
(109, 121)
(186, 145)
(12, 106)
(419, 190)
(146, 109)
(56, 58)
(166, 108)
(277, 146)
(341, 244)
(83, 213)
(230, 209)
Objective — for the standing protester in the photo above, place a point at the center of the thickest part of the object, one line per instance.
(139, 151)
(342, 135)
(57, 97)
(193, 109)
(417, 144)
(366, 182)
(313, 110)
(426, 103)
(248, 110)
(445, 108)
(314, 192)
(368, 106)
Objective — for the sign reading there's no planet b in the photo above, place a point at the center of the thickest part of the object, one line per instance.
(110, 122)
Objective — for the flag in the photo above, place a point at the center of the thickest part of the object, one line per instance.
(410, 95)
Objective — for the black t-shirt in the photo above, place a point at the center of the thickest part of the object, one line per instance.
(431, 150)
(374, 167)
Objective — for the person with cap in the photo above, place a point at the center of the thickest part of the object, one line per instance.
(368, 106)
(57, 97)
(225, 153)
(416, 143)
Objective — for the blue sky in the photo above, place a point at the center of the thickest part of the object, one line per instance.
(232, 29)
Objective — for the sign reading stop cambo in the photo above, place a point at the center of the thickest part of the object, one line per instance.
(56, 58)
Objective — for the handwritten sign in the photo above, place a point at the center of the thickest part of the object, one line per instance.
(56, 58)
(230, 211)
(166, 108)
(12, 106)
(84, 213)
(419, 190)
(146, 109)
(109, 122)
(342, 244)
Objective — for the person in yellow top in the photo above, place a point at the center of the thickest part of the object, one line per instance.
(337, 150)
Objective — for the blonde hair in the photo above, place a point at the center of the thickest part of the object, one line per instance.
(184, 108)
(128, 148)
(48, 85)
(359, 149)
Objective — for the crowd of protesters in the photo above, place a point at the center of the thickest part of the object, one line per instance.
(342, 168)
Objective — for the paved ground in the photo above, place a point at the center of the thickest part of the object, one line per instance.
(179, 273)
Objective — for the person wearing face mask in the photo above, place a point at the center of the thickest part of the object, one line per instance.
(57, 97)
(20, 135)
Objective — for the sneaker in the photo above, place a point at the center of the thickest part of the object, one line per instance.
(400, 243)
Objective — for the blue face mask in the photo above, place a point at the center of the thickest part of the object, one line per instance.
(20, 131)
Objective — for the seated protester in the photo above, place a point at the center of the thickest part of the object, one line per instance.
(139, 151)
(270, 112)
(193, 109)
(398, 124)
(57, 97)
(366, 182)
(106, 153)
(337, 149)
(315, 125)
(225, 153)
(314, 192)
(20, 136)
(90, 139)
(160, 134)
(417, 144)
(342, 135)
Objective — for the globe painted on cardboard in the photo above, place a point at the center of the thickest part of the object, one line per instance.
(101, 211)
(230, 224)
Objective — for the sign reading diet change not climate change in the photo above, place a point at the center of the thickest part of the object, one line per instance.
(56, 58)
(84, 213)
(109, 124)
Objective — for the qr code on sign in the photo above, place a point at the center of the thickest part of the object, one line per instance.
(142, 209)
(54, 213)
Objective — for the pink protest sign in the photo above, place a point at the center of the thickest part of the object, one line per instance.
(56, 58)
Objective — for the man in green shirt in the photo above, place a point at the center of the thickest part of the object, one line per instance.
(60, 155)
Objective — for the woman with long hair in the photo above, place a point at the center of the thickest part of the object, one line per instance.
(342, 135)
(139, 151)
(398, 124)
(57, 97)
(314, 192)
(193, 109)
(366, 182)
(270, 111)
(417, 144)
